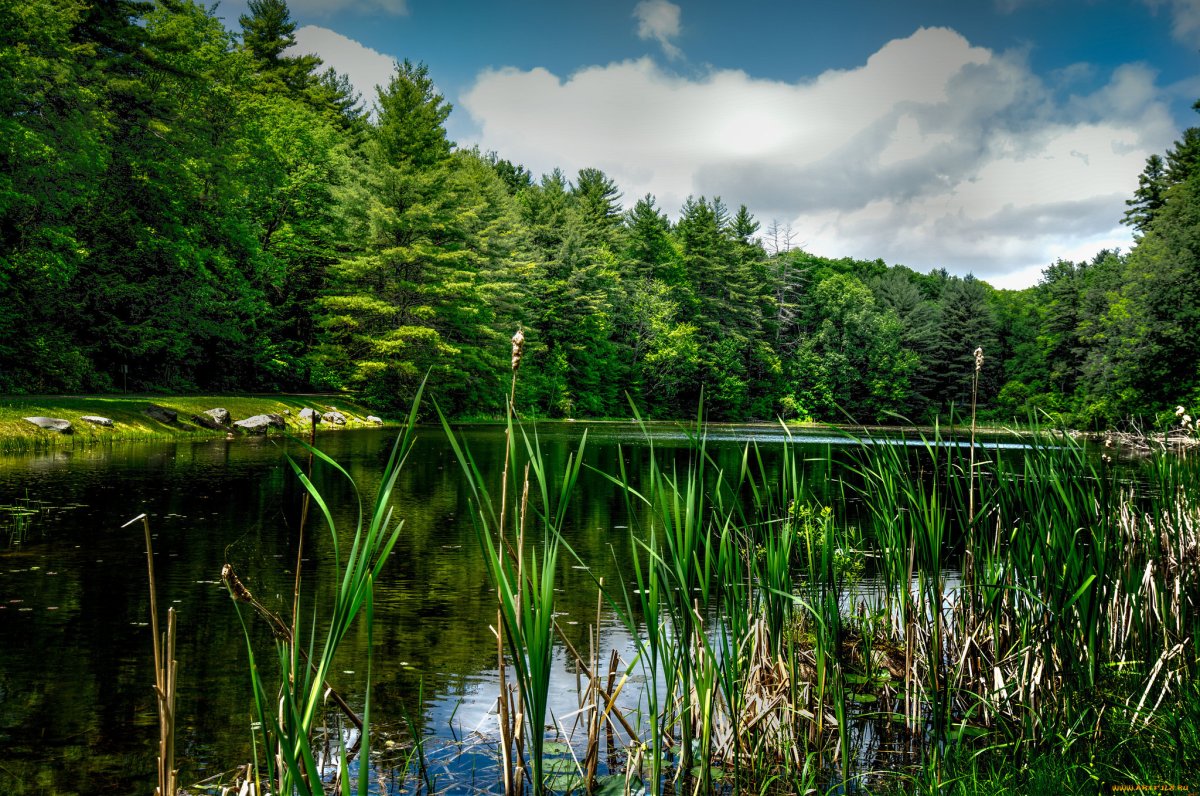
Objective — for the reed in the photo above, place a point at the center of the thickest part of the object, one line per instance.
(1031, 604)
(165, 673)
(304, 670)
(524, 576)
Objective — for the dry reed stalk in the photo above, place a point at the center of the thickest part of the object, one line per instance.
(974, 398)
(592, 756)
(165, 670)
(910, 703)
(611, 747)
(281, 630)
(610, 708)
(506, 729)
(521, 724)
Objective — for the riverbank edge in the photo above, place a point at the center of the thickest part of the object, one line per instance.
(131, 423)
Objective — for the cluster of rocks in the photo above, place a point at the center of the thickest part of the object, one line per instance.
(217, 419)
(64, 426)
(332, 417)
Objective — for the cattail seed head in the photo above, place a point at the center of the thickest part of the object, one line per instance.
(518, 348)
(978, 359)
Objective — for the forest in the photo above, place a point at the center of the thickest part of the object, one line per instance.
(184, 208)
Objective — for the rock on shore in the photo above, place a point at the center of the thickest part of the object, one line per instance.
(51, 424)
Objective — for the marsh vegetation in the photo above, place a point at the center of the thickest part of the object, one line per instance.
(779, 611)
(927, 613)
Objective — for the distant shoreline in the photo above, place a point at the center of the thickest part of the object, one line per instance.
(132, 423)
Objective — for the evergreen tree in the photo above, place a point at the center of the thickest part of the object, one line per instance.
(918, 332)
(418, 297)
(966, 321)
(598, 202)
(1149, 197)
(268, 32)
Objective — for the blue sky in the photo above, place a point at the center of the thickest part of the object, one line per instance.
(984, 136)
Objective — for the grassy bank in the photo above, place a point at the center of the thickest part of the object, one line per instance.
(131, 423)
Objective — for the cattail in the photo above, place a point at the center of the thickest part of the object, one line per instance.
(1179, 410)
(236, 587)
(518, 342)
(978, 359)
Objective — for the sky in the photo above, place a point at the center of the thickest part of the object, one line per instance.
(981, 136)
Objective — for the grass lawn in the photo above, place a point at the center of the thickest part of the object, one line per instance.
(130, 421)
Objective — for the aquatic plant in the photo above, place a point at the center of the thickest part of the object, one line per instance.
(524, 577)
(304, 671)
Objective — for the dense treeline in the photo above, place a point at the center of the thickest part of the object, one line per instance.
(182, 208)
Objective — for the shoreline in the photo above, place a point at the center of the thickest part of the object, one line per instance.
(131, 423)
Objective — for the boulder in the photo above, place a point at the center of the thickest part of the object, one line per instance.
(309, 415)
(260, 423)
(51, 424)
(206, 420)
(336, 418)
(219, 415)
(254, 425)
(96, 420)
(161, 413)
(376, 420)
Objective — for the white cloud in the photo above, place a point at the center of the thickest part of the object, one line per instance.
(326, 8)
(658, 20)
(1185, 18)
(933, 153)
(365, 67)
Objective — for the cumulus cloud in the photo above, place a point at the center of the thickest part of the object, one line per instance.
(658, 20)
(1185, 18)
(365, 67)
(934, 153)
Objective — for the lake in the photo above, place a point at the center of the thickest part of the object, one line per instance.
(77, 710)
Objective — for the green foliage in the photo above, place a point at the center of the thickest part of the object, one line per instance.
(420, 297)
(812, 529)
(218, 214)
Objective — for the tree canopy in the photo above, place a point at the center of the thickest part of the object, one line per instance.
(204, 210)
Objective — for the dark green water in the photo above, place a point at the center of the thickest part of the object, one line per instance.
(77, 712)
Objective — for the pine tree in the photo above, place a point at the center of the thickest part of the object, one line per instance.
(966, 321)
(1149, 197)
(418, 298)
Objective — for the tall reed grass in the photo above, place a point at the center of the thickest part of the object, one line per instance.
(290, 706)
(917, 611)
(1025, 604)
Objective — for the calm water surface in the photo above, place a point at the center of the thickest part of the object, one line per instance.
(77, 712)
